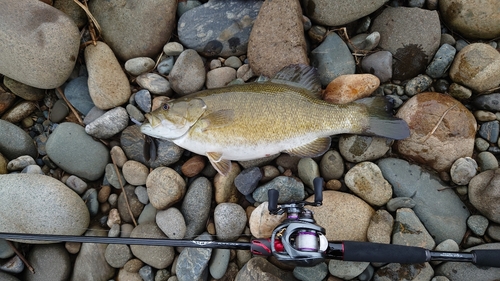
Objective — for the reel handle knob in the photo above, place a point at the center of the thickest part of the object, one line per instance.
(272, 195)
(318, 191)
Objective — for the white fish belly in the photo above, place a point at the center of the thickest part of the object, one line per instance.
(241, 152)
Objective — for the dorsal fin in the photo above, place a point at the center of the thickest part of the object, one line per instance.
(300, 75)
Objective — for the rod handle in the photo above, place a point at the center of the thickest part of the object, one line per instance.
(383, 253)
(318, 190)
(487, 257)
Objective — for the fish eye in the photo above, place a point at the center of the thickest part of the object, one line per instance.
(165, 106)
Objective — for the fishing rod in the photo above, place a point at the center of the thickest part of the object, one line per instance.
(297, 241)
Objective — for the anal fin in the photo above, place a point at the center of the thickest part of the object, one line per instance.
(313, 149)
(223, 166)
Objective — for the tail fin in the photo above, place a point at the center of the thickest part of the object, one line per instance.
(381, 121)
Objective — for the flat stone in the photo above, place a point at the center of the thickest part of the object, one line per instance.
(126, 26)
(380, 228)
(108, 85)
(70, 148)
(441, 62)
(277, 38)
(413, 44)
(23, 91)
(396, 271)
(52, 262)
(346, 269)
(193, 262)
(218, 28)
(437, 206)
(356, 148)
(140, 65)
(154, 83)
(40, 204)
(378, 64)
(488, 102)
(314, 273)
(409, 231)
(77, 93)
(109, 124)
(289, 190)
(33, 31)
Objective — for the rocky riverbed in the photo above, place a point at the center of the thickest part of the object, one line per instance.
(72, 161)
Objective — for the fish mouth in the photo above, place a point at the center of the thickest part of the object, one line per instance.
(152, 120)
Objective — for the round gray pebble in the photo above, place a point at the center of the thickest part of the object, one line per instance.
(117, 255)
(314, 273)
(20, 163)
(143, 100)
(233, 62)
(59, 111)
(166, 65)
(478, 224)
(441, 61)
(154, 83)
(142, 194)
(173, 49)
(219, 262)
(230, 220)
(77, 184)
(140, 65)
(487, 161)
(331, 165)
(378, 64)
(463, 170)
(171, 222)
(418, 85)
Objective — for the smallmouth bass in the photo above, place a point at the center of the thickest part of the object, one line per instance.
(259, 119)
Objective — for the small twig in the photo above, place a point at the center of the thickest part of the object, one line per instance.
(123, 190)
(21, 256)
(70, 106)
(439, 122)
(93, 24)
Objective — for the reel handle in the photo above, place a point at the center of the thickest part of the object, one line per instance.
(273, 195)
(318, 191)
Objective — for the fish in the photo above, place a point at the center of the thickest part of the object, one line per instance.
(267, 117)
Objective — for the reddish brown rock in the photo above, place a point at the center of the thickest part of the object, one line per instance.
(277, 38)
(193, 166)
(350, 87)
(441, 130)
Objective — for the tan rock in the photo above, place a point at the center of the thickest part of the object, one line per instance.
(380, 228)
(277, 38)
(225, 190)
(262, 223)
(165, 187)
(472, 19)
(20, 111)
(135, 172)
(3, 164)
(366, 180)
(441, 130)
(344, 216)
(477, 66)
(108, 84)
(350, 87)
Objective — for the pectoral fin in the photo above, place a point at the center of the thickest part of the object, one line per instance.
(223, 166)
(217, 119)
(313, 149)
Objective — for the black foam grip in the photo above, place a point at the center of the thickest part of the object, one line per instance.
(487, 257)
(272, 195)
(383, 253)
(318, 189)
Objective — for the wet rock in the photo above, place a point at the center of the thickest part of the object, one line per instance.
(413, 44)
(218, 28)
(418, 85)
(477, 66)
(488, 102)
(126, 26)
(441, 130)
(279, 22)
(441, 62)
